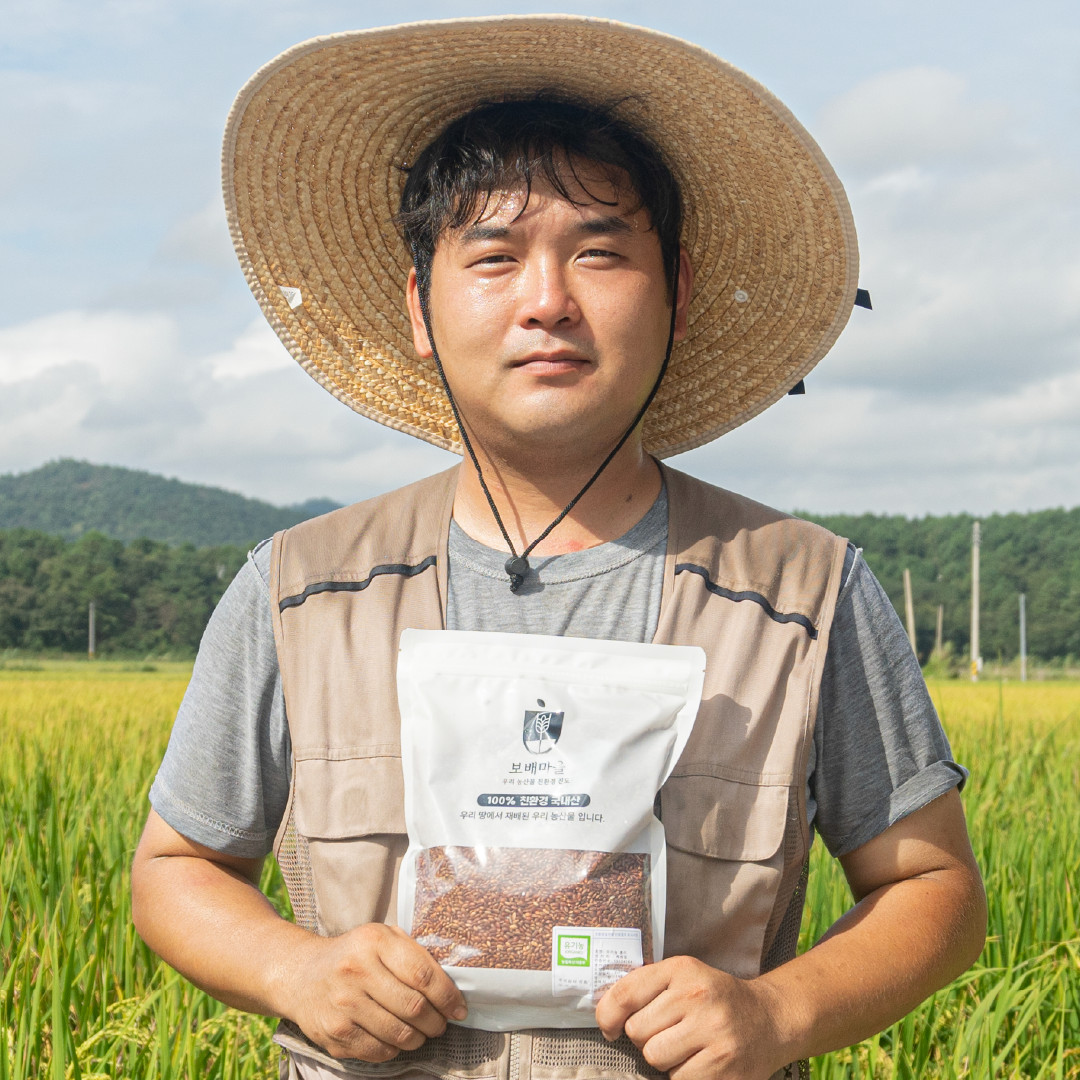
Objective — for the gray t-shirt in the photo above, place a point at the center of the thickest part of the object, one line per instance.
(879, 751)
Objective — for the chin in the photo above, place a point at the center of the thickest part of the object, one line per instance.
(564, 432)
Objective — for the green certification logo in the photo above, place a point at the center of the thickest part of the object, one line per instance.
(574, 950)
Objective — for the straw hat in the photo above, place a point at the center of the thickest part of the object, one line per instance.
(311, 170)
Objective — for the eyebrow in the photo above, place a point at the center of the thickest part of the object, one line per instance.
(612, 223)
(477, 232)
(598, 226)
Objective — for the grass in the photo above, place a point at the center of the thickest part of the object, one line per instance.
(1017, 1012)
(81, 996)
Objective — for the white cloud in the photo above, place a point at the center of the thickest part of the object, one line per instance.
(852, 449)
(969, 238)
(117, 348)
(909, 117)
(255, 352)
(903, 181)
(202, 237)
(118, 387)
(961, 390)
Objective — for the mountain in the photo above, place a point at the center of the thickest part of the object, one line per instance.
(69, 498)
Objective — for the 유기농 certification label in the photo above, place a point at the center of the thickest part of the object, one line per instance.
(588, 959)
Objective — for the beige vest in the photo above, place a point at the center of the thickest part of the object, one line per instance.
(754, 588)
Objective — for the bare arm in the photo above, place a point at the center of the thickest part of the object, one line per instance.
(368, 994)
(919, 920)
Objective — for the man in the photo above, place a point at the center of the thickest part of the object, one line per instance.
(569, 321)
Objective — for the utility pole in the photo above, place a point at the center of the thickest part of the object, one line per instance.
(1023, 637)
(976, 662)
(909, 609)
(939, 635)
(91, 644)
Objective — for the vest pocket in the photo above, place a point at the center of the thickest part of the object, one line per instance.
(350, 815)
(724, 819)
(341, 798)
(725, 864)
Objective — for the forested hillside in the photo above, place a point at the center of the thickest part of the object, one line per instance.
(69, 498)
(153, 596)
(1037, 554)
(149, 598)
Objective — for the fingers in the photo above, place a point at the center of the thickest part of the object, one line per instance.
(669, 1047)
(692, 1021)
(411, 965)
(653, 1014)
(406, 997)
(632, 993)
(345, 1038)
(374, 992)
(367, 1030)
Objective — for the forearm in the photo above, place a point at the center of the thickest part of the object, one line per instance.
(368, 993)
(882, 958)
(218, 930)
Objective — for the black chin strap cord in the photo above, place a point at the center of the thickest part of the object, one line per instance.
(517, 566)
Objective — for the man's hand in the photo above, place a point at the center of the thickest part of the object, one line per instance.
(373, 992)
(369, 993)
(919, 920)
(694, 1021)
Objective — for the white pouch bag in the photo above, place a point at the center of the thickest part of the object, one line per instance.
(535, 872)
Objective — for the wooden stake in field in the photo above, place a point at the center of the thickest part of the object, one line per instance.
(909, 609)
(939, 634)
(976, 660)
(91, 643)
(1023, 637)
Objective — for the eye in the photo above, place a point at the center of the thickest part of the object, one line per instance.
(599, 253)
(492, 259)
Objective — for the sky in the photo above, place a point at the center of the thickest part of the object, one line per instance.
(128, 335)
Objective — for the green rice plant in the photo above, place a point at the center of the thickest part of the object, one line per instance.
(81, 998)
(1016, 1013)
(80, 995)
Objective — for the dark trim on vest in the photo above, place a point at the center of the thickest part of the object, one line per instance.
(757, 598)
(357, 586)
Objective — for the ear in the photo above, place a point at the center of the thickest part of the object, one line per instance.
(419, 331)
(682, 301)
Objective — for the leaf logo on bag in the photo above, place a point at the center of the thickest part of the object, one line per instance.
(542, 729)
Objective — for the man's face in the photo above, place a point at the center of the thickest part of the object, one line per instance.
(552, 322)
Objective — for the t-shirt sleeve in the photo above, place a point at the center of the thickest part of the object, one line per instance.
(879, 751)
(224, 780)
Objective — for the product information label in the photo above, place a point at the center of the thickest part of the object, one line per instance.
(588, 959)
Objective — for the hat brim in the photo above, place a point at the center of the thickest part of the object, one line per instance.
(312, 175)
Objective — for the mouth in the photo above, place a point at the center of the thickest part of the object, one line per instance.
(552, 363)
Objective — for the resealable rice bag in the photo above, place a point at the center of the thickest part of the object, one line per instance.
(535, 872)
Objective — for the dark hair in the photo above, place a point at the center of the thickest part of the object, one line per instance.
(507, 143)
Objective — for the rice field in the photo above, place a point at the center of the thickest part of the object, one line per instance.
(81, 997)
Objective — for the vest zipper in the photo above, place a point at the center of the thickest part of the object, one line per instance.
(513, 1063)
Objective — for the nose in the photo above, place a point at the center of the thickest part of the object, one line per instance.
(547, 298)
